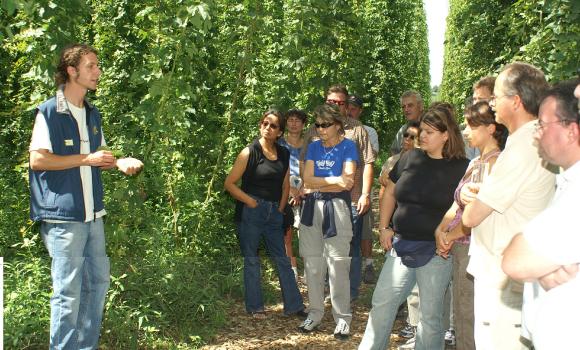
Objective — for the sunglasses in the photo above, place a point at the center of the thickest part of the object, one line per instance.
(323, 125)
(409, 136)
(266, 124)
(336, 102)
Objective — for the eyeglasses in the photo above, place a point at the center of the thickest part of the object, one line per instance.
(494, 98)
(335, 102)
(323, 125)
(541, 125)
(266, 124)
(409, 136)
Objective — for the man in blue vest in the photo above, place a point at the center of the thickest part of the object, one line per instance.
(66, 196)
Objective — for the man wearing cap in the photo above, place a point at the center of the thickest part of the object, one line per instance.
(546, 254)
(355, 109)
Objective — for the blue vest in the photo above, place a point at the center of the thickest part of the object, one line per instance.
(58, 194)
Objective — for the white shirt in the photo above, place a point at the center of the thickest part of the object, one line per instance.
(41, 140)
(555, 235)
(518, 188)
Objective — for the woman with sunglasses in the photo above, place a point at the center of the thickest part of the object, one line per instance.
(325, 225)
(489, 137)
(261, 199)
(420, 187)
(410, 141)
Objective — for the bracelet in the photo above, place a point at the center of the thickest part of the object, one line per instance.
(365, 194)
(385, 228)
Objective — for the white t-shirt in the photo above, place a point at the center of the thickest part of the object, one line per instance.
(518, 189)
(555, 235)
(41, 140)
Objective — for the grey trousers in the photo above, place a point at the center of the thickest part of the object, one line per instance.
(462, 298)
(318, 253)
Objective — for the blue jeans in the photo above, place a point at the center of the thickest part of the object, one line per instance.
(265, 221)
(355, 252)
(80, 280)
(394, 285)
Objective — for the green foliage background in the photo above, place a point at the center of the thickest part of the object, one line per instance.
(184, 83)
(484, 35)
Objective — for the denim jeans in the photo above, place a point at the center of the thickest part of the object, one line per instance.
(355, 252)
(394, 285)
(265, 221)
(80, 280)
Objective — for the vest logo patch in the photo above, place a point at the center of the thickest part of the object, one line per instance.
(68, 142)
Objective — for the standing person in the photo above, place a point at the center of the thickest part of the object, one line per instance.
(295, 120)
(412, 106)
(363, 177)
(421, 188)
(483, 89)
(355, 109)
(326, 227)
(482, 92)
(546, 255)
(410, 141)
(66, 196)
(517, 190)
(263, 167)
(489, 137)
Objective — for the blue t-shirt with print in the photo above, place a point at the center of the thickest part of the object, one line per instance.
(328, 161)
(294, 156)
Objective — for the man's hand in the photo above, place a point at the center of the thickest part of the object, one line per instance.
(363, 204)
(469, 192)
(559, 276)
(103, 159)
(129, 166)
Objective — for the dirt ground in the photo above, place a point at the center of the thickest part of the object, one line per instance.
(281, 332)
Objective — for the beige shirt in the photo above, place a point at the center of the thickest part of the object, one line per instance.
(355, 131)
(518, 188)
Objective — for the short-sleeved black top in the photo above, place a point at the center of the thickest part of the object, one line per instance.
(424, 192)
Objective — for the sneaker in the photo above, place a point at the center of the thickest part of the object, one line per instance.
(308, 325)
(342, 330)
(450, 337)
(369, 275)
(409, 345)
(407, 332)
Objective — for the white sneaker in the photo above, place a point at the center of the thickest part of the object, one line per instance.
(409, 345)
(308, 325)
(342, 330)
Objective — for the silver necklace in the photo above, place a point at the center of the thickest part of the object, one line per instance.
(326, 154)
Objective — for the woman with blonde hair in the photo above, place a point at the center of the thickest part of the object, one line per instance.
(420, 187)
(326, 223)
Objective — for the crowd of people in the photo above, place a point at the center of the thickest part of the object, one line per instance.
(476, 219)
(464, 214)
